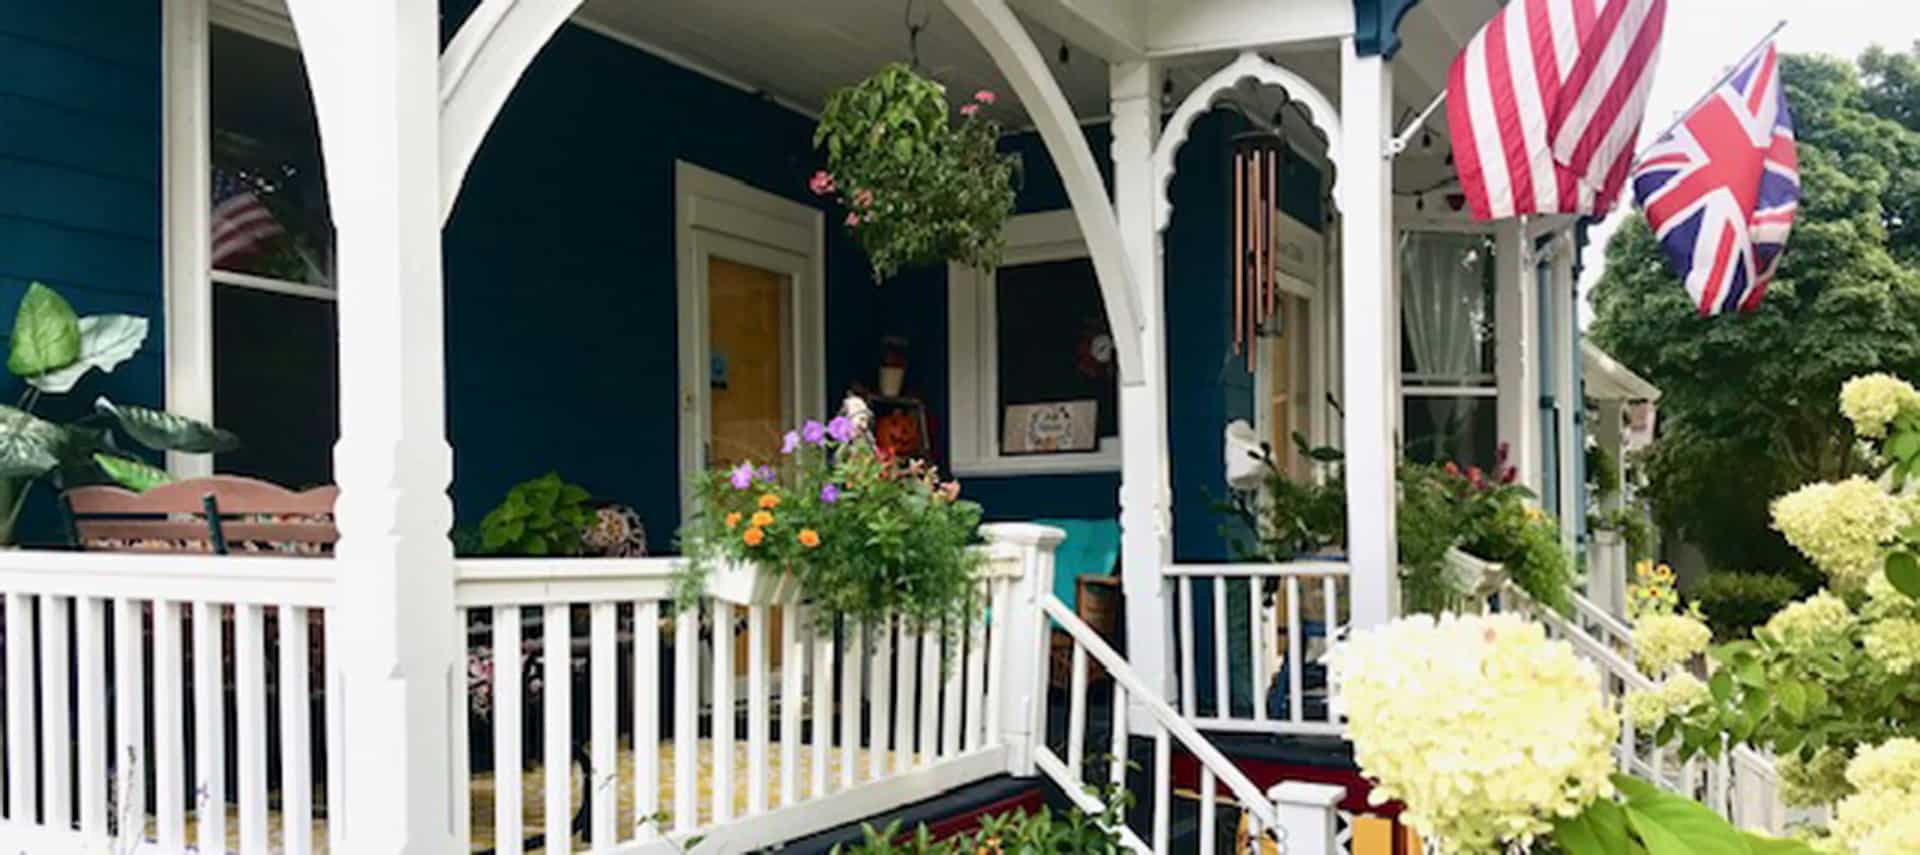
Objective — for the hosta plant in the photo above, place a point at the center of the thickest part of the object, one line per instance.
(919, 186)
(50, 350)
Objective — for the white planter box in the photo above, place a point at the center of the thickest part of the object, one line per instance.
(1479, 579)
(750, 585)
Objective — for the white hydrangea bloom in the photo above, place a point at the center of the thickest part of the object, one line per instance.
(1883, 816)
(1661, 642)
(1677, 695)
(1810, 622)
(1842, 526)
(1481, 726)
(1872, 401)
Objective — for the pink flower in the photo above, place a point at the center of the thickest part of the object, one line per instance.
(821, 183)
(984, 96)
(852, 219)
(863, 198)
(969, 109)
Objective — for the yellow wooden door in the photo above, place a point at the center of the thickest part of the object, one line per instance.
(747, 322)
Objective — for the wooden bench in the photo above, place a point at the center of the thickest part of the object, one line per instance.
(219, 515)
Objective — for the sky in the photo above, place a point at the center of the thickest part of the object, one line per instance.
(1704, 37)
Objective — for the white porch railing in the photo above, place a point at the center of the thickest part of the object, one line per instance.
(1290, 613)
(154, 702)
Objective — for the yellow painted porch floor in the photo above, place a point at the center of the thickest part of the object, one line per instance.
(533, 794)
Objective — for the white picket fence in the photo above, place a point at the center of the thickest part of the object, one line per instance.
(1291, 613)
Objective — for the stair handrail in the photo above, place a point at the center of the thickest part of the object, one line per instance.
(1196, 743)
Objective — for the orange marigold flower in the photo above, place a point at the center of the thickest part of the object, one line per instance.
(809, 538)
(754, 536)
(733, 520)
(769, 501)
(762, 519)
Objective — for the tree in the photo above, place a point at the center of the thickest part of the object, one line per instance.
(1747, 401)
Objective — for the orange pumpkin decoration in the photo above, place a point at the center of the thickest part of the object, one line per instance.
(897, 434)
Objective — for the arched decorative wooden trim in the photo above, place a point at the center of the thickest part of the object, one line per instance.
(1248, 66)
(1014, 52)
(479, 69)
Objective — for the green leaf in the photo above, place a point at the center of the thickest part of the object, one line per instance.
(1903, 570)
(1904, 446)
(1792, 697)
(1721, 685)
(105, 342)
(46, 333)
(1601, 829)
(1671, 824)
(132, 474)
(1762, 845)
(163, 431)
(29, 445)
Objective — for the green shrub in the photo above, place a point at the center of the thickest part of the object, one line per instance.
(1734, 603)
(1011, 833)
(544, 516)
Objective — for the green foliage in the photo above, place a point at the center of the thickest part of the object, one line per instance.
(51, 349)
(1734, 603)
(1634, 529)
(1285, 519)
(866, 537)
(1428, 523)
(1011, 833)
(1648, 820)
(542, 516)
(919, 188)
(1746, 401)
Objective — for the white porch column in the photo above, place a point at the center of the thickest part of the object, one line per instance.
(1516, 311)
(1370, 333)
(1571, 405)
(1146, 492)
(374, 67)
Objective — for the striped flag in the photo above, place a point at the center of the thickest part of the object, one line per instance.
(1545, 103)
(1721, 189)
(240, 221)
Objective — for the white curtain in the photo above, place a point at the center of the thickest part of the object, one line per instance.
(1447, 316)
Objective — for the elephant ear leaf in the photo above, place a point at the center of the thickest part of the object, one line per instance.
(132, 474)
(163, 431)
(105, 342)
(29, 445)
(46, 333)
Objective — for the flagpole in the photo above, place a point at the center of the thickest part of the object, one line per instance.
(1730, 72)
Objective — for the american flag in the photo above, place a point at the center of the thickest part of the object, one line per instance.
(1720, 190)
(1544, 104)
(240, 221)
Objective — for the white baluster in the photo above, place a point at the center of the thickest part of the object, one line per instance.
(20, 713)
(1189, 675)
(603, 783)
(91, 621)
(646, 719)
(1296, 655)
(757, 717)
(1077, 714)
(851, 658)
(56, 700)
(250, 677)
(881, 665)
(296, 768)
(509, 686)
(556, 673)
(686, 720)
(210, 730)
(793, 671)
(722, 714)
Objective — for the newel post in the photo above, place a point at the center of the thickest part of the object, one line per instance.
(374, 70)
(1021, 692)
(1306, 815)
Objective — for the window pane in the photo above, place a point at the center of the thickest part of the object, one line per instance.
(269, 201)
(1053, 341)
(1446, 299)
(274, 384)
(1459, 429)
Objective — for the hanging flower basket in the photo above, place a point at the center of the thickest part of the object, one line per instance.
(744, 584)
(920, 185)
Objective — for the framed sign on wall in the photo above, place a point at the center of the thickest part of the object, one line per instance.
(1052, 428)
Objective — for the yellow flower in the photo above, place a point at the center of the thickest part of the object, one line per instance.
(809, 538)
(762, 519)
(769, 501)
(733, 520)
(754, 536)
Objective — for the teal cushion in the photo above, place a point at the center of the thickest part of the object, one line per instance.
(1092, 547)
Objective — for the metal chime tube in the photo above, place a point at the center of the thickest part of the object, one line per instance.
(1239, 250)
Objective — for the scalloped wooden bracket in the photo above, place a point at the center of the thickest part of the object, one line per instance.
(479, 69)
(1248, 66)
(1376, 25)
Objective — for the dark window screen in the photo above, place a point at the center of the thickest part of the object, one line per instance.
(275, 383)
(1053, 339)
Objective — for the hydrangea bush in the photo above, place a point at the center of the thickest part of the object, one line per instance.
(867, 536)
(1831, 683)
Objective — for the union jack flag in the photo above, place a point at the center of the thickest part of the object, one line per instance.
(1720, 190)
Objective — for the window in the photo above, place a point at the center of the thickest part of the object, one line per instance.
(1450, 391)
(275, 380)
(1035, 385)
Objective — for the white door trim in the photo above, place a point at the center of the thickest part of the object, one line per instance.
(719, 216)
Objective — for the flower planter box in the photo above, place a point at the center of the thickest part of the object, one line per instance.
(750, 585)
(1478, 578)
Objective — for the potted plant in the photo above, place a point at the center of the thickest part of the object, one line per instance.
(919, 186)
(857, 533)
(50, 350)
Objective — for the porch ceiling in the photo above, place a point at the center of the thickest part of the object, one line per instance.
(799, 52)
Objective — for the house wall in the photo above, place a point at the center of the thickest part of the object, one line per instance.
(80, 168)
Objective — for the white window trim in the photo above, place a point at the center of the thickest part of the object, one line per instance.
(186, 154)
(973, 352)
(716, 216)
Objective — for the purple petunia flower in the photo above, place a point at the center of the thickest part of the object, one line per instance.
(814, 432)
(841, 429)
(830, 494)
(790, 443)
(742, 476)
(765, 474)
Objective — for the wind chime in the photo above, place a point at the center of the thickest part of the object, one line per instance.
(1256, 183)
